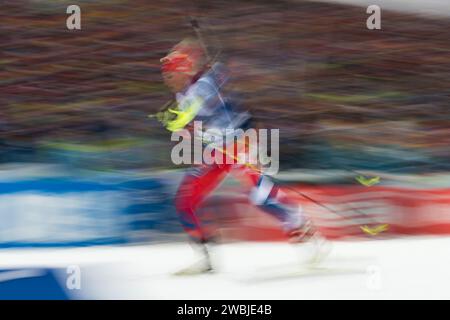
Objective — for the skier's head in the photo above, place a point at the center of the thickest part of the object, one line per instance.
(183, 62)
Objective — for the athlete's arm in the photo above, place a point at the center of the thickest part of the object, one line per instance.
(200, 98)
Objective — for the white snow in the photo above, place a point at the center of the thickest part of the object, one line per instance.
(408, 268)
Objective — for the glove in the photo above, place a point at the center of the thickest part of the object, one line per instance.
(165, 116)
(183, 117)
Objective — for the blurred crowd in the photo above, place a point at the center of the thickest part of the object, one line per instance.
(342, 96)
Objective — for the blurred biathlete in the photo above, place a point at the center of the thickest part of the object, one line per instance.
(197, 87)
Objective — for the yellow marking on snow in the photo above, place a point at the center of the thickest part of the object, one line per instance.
(374, 230)
(368, 182)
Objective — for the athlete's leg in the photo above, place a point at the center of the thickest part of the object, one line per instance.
(194, 188)
(267, 195)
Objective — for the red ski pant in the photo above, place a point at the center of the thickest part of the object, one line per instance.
(202, 180)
